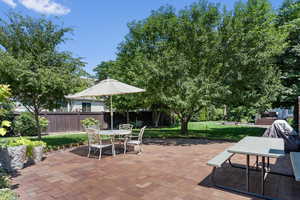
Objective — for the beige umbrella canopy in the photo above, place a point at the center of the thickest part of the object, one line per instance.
(107, 87)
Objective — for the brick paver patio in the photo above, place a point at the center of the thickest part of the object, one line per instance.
(163, 171)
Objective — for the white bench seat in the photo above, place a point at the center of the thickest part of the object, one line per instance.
(218, 160)
(295, 160)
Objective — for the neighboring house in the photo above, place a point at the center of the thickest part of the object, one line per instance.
(283, 113)
(84, 105)
(74, 105)
(267, 118)
(19, 107)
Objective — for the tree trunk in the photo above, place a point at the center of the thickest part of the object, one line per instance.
(225, 112)
(37, 123)
(184, 125)
(127, 117)
(156, 118)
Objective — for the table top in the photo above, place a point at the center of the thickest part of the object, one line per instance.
(259, 146)
(114, 132)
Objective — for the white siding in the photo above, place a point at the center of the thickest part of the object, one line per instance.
(76, 106)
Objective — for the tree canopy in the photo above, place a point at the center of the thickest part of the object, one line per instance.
(289, 61)
(38, 73)
(200, 56)
(250, 42)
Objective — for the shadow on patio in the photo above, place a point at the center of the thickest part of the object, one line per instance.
(277, 187)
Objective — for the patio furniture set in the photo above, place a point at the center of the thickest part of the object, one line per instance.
(263, 147)
(102, 139)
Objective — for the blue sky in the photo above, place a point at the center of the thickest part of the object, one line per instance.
(99, 25)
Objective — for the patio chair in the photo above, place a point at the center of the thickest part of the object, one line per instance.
(136, 140)
(95, 141)
(122, 140)
(126, 127)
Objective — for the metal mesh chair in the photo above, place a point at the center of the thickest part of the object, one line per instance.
(96, 141)
(126, 127)
(137, 139)
(122, 140)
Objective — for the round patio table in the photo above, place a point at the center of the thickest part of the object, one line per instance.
(114, 132)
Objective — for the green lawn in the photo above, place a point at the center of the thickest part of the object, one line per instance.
(207, 130)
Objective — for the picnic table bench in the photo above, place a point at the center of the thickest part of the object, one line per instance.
(295, 160)
(221, 158)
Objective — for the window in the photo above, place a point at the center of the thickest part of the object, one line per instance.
(86, 107)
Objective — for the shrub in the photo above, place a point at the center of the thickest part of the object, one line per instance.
(4, 179)
(5, 109)
(242, 114)
(7, 194)
(203, 115)
(138, 124)
(30, 145)
(211, 113)
(23, 141)
(25, 125)
(89, 122)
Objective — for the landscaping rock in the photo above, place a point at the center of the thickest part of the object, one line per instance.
(13, 158)
(37, 154)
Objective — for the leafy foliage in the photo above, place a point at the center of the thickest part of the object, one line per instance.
(88, 122)
(8, 194)
(38, 73)
(4, 95)
(289, 60)
(167, 54)
(4, 179)
(5, 183)
(25, 125)
(200, 56)
(250, 42)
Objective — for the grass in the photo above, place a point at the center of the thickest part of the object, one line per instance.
(206, 130)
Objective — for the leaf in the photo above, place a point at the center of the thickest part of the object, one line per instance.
(6, 123)
(3, 131)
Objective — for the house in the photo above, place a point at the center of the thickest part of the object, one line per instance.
(74, 105)
(284, 113)
(84, 104)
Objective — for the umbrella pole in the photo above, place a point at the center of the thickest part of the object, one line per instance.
(111, 115)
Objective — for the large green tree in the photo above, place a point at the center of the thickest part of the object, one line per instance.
(250, 42)
(38, 73)
(200, 56)
(173, 56)
(289, 60)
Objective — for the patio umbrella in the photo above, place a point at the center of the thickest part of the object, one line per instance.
(107, 87)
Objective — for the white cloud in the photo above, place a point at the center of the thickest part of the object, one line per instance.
(44, 6)
(10, 2)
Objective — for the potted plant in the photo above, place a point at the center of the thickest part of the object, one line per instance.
(13, 154)
(35, 150)
(89, 123)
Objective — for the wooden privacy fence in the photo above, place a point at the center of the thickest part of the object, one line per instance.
(70, 121)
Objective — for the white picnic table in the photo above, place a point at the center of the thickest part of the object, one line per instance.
(260, 147)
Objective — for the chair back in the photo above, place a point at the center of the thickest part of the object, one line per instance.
(126, 127)
(93, 136)
(141, 134)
